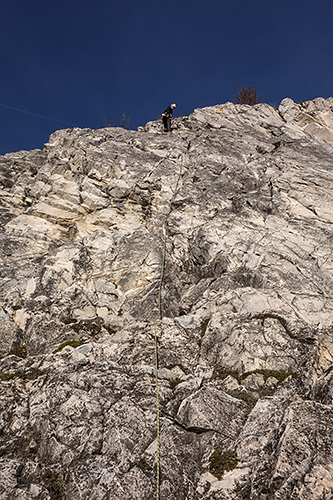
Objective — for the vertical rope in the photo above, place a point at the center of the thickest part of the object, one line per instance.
(158, 458)
(157, 420)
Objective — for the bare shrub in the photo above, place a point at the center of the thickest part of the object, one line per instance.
(247, 95)
(124, 121)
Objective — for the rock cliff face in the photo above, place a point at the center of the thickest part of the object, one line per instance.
(235, 205)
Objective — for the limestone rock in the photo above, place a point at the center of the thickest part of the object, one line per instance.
(216, 240)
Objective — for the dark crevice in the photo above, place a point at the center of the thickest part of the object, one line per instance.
(192, 429)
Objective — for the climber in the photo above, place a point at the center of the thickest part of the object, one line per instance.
(166, 117)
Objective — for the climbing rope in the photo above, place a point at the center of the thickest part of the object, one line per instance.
(158, 460)
(157, 419)
(36, 114)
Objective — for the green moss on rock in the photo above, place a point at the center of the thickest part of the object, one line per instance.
(248, 398)
(219, 462)
(72, 343)
(141, 464)
(31, 374)
(222, 373)
(279, 375)
(19, 350)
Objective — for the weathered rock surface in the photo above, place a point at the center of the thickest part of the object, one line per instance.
(238, 200)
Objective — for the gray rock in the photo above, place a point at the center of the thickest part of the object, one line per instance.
(235, 205)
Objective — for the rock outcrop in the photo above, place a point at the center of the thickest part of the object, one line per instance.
(235, 206)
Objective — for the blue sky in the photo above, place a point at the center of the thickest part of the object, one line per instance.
(81, 63)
